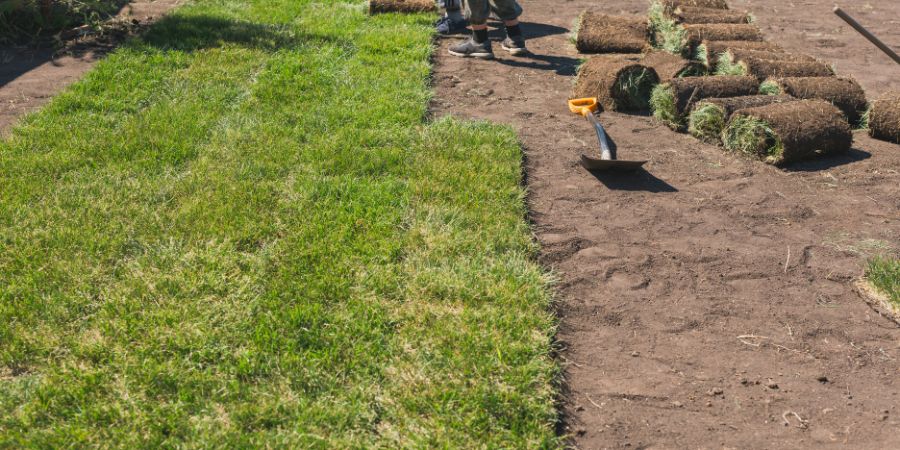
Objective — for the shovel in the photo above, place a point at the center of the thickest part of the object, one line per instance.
(586, 107)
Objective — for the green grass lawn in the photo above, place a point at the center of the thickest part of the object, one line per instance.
(884, 275)
(240, 232)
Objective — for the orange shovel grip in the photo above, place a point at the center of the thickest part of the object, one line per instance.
(583, 106)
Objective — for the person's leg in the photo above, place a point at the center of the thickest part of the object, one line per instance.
(509, 11)
(453, 21)
(478, 46)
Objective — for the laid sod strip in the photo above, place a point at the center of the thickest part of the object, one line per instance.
(693, 15)
(884, 117)
(884, 275)
(619, 82)
(708, 117)
(707, 51)
(668, 66)
(401, 6)
(672, 101)
(845, 93)
(237, 232)
(601, 33)
(781, 133)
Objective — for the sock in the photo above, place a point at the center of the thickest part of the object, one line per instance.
(480, 36)
(455, 15)
(513, 31)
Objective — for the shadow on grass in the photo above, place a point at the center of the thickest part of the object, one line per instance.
(192, 33)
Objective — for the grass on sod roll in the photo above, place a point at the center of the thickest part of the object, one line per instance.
(884, 275)
(726, 65)
(662, 103)
(238, 232)
(769, 87)
(749, 135)
(706, 121)
(665, 32)
(634, 88)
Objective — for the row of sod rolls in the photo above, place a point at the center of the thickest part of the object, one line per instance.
(785, 132)
(602, 33)
(884, 117)
(708, 117)
(672, 101)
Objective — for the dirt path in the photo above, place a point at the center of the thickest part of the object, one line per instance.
(29, 77)
(709, 302)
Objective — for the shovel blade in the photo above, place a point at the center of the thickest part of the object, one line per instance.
(610, 165)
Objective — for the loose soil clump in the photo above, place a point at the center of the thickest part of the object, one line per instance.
(668, 66)
(671, 101)
(782, 133)
(709, 117)
(601, 33)
(697, 15)
(401, 6)
(845, 93)
(619, 82)
(884, 117)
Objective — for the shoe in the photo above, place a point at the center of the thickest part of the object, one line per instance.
(514, 45)
(447, 26)
(470, 48)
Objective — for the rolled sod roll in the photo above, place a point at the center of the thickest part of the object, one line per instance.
(731, 61)
(708, 117)
(693, 14)
(672, 101)
(672, 5)
(781, 133)
(884, 117)
(601, 33)
(768, 68)
(668, 66)
(619, 82)
(708, 51)
(401, 6)
(699, 32)
(845, 93)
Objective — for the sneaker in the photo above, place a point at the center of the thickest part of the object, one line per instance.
(514, 45)
(447, 26)
(471, 48)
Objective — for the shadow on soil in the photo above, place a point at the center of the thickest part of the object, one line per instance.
(829, 162)
(639, 180)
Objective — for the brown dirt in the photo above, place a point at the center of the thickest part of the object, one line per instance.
(602, 33)
(401, 6)
(806, 129)
(30, 77)
(691, 90)
(671, 5)
(668, 66)
(600, 75)
(699, 32)
(703, 301)
(884, 119)
(843, 92)
(689, 14)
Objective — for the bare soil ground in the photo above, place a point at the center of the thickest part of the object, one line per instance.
(710, 301)
(30, 77)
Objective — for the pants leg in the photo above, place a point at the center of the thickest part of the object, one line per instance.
(478, 11)
(449, 5)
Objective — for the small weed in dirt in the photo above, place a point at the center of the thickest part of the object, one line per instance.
(884, 275)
